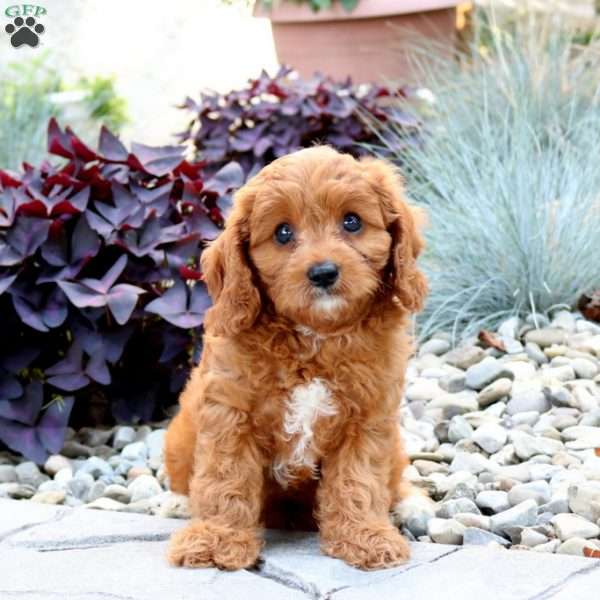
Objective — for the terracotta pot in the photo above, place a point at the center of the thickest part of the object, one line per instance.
(365, 43)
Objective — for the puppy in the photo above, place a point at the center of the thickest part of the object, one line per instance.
(292, 414)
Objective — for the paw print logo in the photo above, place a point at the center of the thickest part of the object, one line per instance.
(24, 31)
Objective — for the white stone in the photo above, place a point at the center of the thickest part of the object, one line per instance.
(562, 373)
(480, 375)
(143, 487)
(49, 497)
(527, 445)
(490, 437)
(570, 526)
(494, 391)
(123, 436)
(584, 368)
(464, 357)
(64, 476)
(534, 352)
(453, 404)
(584, 499)
(473, 520)
(445, 531)
(494, 500)
(434, 346)
(576, 545)
(55, 463)
(459, 429)
(546, 336)
(117, 492)
(536, 490)
(521, 515)
(525, 396)
(106, 504)
(520, 369)
(135, 452)
(473, 463)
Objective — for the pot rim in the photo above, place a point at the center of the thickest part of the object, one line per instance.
(287, 12)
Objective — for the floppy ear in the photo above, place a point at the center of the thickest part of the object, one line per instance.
(406, 280)
(228, 276)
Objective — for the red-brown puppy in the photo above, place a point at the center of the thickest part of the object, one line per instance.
(293, 408)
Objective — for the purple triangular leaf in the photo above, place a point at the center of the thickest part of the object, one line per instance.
(110, 146)
(26, 408)
(6, 282)
(200, 301)
(159, 160)
(29, 314)
(80, 199)
(53, 424)
(173, 301)
(100, 225)
(55, 311)
(70, 382)
(9, 386)
(23, 440)
(28, 235)
(54, 250)
(97, 369)
(19, 358)
(173, 306)
(230, 177)
(112, 274)
(82, 296)
(85, 243)
(122, 299)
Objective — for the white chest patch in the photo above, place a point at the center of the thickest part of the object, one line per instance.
(306, 404)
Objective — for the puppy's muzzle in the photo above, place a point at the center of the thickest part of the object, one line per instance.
(324, 274)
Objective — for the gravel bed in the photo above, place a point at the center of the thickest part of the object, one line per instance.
(506, 441)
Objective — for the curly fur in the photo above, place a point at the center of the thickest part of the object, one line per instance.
(291, 416)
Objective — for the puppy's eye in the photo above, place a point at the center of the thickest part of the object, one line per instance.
(284, 233)
(352, 222)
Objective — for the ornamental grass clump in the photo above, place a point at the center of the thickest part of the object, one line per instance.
(509, 173)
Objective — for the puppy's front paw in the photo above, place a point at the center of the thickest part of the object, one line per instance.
(369, 548)
(206, 544)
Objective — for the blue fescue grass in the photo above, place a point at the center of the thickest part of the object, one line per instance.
(509, 175)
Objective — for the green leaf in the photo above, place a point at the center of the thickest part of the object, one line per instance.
(317, 5)
(349, 5)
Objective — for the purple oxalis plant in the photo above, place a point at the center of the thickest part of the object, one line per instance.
(275, 115)
(100, 286)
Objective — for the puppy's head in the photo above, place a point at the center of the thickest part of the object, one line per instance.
(324, 235)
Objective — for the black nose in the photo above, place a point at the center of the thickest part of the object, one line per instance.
(323, 274)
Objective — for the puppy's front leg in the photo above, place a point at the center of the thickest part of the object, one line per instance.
(225, 494)
(354, 499)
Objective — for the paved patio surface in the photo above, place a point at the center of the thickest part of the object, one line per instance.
(55, 553)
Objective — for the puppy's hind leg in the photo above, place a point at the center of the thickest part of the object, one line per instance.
(180, 444)
(409, 502)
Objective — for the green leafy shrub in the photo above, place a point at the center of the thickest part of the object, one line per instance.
(25, 108)
(31, 92)
(509, 174)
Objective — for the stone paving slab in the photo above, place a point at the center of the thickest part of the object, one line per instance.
(485, 572)
(16, 516)
(51, 553)
(294, 559)
(126, 571)
(82, 527)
